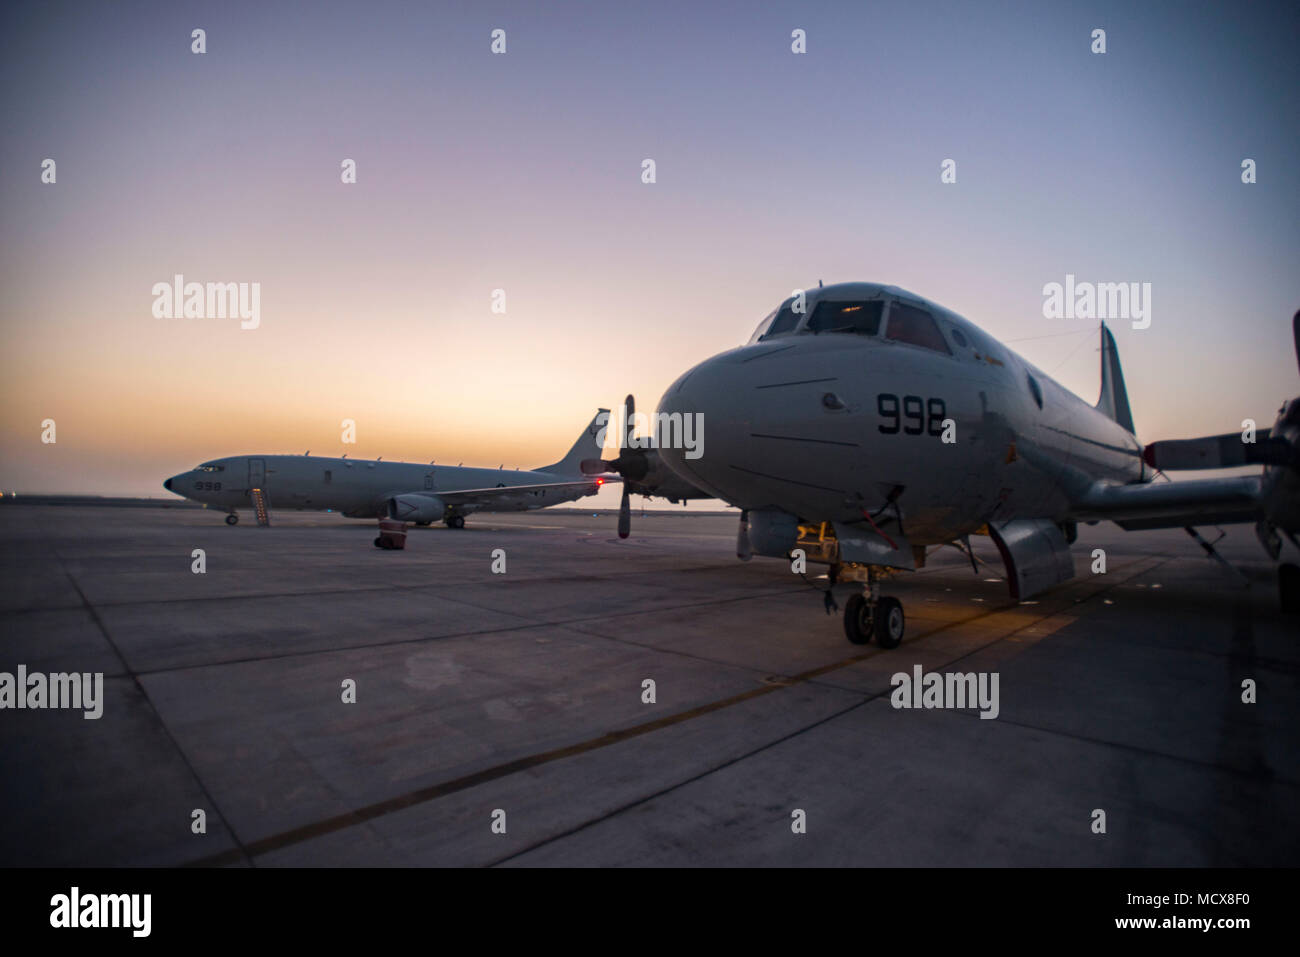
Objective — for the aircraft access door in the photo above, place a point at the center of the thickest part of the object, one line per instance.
(256, 473)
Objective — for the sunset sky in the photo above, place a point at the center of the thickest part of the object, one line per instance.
(522, 171)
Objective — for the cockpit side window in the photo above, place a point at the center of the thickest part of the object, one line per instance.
(785, 322)
(985, 349)
(761, 331)
(210, 467)
(916, 327)
(857, 318)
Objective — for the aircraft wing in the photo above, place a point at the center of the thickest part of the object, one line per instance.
(516, 494)
(1216, 501)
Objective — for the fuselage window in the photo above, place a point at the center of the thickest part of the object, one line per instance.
(855, 318)
(959, 337)
(916, 327)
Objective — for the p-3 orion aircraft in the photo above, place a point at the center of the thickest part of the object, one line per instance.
(862, 424)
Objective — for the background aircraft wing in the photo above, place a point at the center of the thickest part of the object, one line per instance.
(517, 494)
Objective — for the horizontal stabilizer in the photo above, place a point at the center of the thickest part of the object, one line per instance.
(1217, 452)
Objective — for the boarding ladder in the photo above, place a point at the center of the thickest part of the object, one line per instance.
(261, 506)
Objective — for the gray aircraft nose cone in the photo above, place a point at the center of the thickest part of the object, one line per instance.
(700, 393)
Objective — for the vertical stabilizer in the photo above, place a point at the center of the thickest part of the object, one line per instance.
(585, 448)
(1114, 397)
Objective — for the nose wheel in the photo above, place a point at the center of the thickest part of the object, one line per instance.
(883, 620)
(232, 519)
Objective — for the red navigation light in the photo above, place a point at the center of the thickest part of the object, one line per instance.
(600, 481)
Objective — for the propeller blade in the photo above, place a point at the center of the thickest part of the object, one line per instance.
(1295, 331)
(629, 414)
(625, 515)
(743, 550)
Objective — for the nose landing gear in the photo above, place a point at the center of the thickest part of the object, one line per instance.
(869, 615)
(232, 519)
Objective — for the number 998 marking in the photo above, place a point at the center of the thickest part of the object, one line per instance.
(913, 416)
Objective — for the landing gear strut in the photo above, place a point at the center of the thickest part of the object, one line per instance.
(232, 519)
(869, 615)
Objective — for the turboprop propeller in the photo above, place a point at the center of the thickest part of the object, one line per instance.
(632, 465)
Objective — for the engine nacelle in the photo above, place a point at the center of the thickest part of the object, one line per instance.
(772, 532)
(1035, 553)
(416, 508)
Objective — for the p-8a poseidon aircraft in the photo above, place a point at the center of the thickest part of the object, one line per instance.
(403, 490)
(863, 423)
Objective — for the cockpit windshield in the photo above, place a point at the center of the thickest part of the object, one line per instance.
(210, 467)
(916, 327)
(860, 318)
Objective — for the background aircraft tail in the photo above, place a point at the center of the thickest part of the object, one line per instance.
(1114, 397)
(585, 448)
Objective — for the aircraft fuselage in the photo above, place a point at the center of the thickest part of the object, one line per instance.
(960, 430)
(355, 487)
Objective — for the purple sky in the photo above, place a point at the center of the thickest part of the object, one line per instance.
(522, 172)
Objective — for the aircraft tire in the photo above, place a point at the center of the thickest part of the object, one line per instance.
(1288, 587)
(232, 519)
(456, 521)
(889, 623)
(857, 620)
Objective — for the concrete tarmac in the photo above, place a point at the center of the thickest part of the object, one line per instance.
(516, 701)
